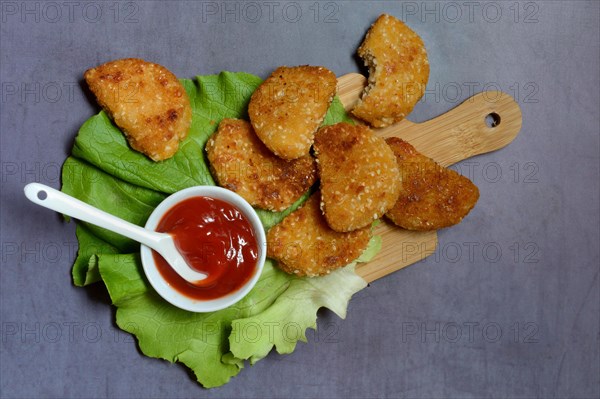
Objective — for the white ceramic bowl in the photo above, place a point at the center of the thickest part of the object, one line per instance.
(169, 293)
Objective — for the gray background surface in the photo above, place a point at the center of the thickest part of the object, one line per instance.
(507, 307)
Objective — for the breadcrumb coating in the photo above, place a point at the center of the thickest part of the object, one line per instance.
(431, 197)
(360, 180)
(146, 101)
(240, 162)
(398, 72)
(289, 106)
(303, 243)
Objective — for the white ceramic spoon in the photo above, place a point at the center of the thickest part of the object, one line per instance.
(160, 242)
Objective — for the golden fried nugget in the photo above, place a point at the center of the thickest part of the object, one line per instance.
(289, 106)
(360, 180)
(146, 101)
(305, 245)
(398, 72)
(431, 197)
(242, 163)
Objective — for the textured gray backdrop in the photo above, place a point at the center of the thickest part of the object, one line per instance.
(507, 307)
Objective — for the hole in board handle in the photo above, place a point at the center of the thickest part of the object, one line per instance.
(42, 195)
(492, 120)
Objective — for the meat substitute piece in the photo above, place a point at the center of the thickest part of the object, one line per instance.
(146, 101)
(431, 196)
(289, 106)
(398, 72)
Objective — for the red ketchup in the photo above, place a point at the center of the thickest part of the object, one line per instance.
(215, 238)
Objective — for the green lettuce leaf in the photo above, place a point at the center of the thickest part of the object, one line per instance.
(125, 200)
(214, 345)
(106, 173)
(199, 340)
(85, 269)
(336, 114)
(285, 322)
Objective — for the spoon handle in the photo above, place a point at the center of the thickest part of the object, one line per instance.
(50, 198)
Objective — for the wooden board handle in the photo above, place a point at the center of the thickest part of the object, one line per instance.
(456, 135)
(452, 137)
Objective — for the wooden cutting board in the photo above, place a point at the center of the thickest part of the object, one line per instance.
(456, 135)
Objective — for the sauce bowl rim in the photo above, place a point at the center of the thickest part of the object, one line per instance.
(169, 293)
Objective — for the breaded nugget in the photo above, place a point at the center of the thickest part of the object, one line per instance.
(360, 180)
(431, 197)
(398, 72)
(146, 101)
(242, 163)
(289, 106)
(305, 245)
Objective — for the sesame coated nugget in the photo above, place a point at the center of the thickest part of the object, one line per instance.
(305, 245)
(146, 101)
(398, 72)
(432, 197)
(240, 162)
(360, 180)
(289, 106)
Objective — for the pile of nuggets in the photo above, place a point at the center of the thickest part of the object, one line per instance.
(283, 150)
